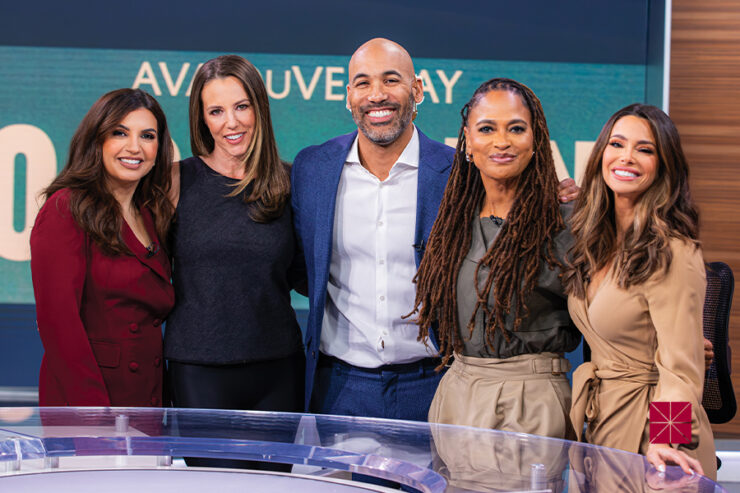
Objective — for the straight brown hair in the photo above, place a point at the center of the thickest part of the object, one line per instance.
(269, 176)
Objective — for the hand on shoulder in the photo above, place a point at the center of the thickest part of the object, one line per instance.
(568, 190)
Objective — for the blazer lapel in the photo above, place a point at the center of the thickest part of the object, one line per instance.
(326, 183)
(154, 262)
(433, 173)
(434, 169)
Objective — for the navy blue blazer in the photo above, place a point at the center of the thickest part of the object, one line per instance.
(314, 182)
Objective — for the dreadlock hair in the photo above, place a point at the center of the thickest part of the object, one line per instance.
(665, 210)
(513, 260)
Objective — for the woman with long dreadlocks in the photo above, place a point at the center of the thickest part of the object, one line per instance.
(489, 279)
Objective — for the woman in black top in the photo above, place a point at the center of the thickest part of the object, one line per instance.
(232, 340)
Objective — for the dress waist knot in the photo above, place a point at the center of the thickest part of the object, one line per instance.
(587, 380)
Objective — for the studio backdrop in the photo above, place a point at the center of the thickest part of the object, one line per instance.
(582, 62)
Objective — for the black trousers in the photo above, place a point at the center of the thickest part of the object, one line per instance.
(272, 385)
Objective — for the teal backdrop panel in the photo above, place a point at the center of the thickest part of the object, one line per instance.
(45, 92)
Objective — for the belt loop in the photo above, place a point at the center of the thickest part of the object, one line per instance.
(556, 366)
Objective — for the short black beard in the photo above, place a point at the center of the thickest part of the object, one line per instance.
(390, 135)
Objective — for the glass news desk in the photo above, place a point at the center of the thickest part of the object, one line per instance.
(131, 450)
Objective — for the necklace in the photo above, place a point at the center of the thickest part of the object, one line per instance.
(491, 213)
(498, 221)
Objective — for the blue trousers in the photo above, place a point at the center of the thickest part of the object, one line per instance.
(403, 391)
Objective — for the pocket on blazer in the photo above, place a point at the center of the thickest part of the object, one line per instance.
(107, 354)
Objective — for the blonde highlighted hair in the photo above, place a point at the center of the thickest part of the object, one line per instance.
(665, 210)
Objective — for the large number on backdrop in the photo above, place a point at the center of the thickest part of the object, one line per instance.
(41, 168)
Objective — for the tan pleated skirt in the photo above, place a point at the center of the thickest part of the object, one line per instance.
(527, 394)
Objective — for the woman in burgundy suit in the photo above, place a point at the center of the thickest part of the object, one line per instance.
(101, 275)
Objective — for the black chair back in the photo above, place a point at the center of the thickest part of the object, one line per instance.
(719, 397)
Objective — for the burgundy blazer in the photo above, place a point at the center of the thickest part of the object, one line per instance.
(99, 316)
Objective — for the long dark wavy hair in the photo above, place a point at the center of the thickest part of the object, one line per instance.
(269, 176)
(514, 259)
(665, 210)
(92, 205)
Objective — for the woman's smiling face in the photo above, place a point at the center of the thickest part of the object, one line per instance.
(499, 135)
(229, 116)
(629, 164)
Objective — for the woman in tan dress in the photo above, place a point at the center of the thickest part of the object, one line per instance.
(636, 291)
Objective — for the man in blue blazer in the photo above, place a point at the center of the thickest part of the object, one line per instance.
(363, 207)
(364, 204)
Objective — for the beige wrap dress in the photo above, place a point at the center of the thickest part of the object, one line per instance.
(646, 345)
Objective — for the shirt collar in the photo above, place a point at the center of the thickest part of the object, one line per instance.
(409, 156)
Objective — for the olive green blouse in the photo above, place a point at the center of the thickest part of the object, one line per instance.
(546, 328)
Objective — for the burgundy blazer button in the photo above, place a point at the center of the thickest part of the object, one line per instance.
(134, 328)
(157, 361)
(133, 366)
(155, 401)
(156, 322)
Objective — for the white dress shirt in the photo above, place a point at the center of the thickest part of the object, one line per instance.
(372, 265)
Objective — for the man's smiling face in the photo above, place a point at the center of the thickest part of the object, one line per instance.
(383, 91)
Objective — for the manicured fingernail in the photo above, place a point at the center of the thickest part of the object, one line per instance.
(661, 468)
(661, 475)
